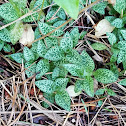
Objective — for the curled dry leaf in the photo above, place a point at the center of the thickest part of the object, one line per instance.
(71, 92)
(32, 91)
(99, 59)
(103, 27)
(95, 85)
(28, 36)
(92, 108)
(98, 123)
(114, 116)
(113, 2)
(40, 95)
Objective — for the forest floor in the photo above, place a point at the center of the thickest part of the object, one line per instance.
(20, 99)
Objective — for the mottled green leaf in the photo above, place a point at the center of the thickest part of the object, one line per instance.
(119, 5)
(75, 36)
(7, 47)
(74, 57)
(63, 72)
(16, 32)
(34, 47)
(31, 6)
(54, 54)
(5, 35)
(114, 69)
(87, 62)
(59, 72)
(46, 86)
(58, 23)
(66, 42)
(55, 15)
(124, 19)
(81, 6)
(100, 8)
(100, 103)
(61, 83)
(18, 57)
(119, 35)
(124, 63)
(122, 82)
(37, 33)
(110, 92)
(79, 85)
(56, 33)
(105, 76)
(121, 56)
(21, 4)
(83, 2)
(123, 32)
(118, 23)
(61, 14)
(31, 67)
(1, 45)
(75, 70)
(7, 12)
(82, 34)
(50, 18)
(28, 54)
(41, 48)
(60, 62)
(110, 18)
(99, 46)
(31, 18)
(45, 29)
(50, 42)
(100, 92)
(122, 45)
(114, 55)
(35, 55)
(41, 68)
(49, 97)
(55, 73)
(111, 38)
(87, 85)
(38, 4)
(63, 100)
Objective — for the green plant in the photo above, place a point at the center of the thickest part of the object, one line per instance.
(6, 47)
(117, 40)
(11, 11)
(55, 57)
(56, 16)
(101, 92)
(59, 59)
(71, 7)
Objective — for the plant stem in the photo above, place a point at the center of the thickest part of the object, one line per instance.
(41, 11)
(15, 7)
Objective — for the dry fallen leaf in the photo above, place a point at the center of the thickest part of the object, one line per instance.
(95, 85)
(113, 2)
(103, 27)
(113, 116)
(99, 59)
(98, 123)
(28, 36)
(71, 92)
